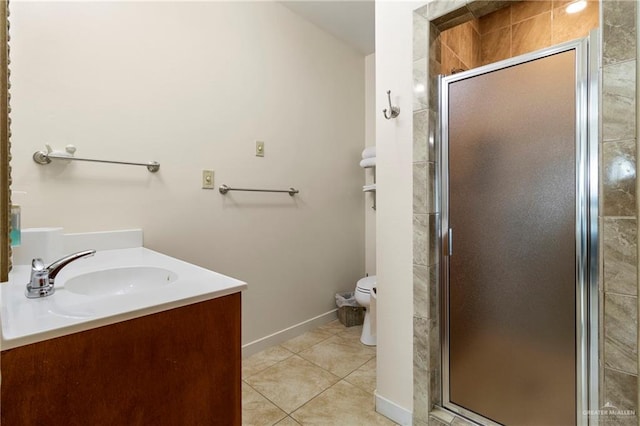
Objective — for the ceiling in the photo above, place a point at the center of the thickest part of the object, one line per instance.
(350, 21)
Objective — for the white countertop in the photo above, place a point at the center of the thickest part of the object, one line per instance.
(26, 321)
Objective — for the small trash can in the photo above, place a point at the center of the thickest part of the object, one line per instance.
(349, 312)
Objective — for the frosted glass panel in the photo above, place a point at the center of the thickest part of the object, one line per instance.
(512, 347)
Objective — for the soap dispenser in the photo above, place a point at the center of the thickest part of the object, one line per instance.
(15, 234)
(15, 226)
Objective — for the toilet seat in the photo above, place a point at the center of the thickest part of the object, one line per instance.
(365, 284)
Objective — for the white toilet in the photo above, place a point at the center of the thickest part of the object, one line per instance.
(363, 297)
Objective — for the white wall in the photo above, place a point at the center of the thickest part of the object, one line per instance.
(193, 85)
(370, 140)
(394, 21)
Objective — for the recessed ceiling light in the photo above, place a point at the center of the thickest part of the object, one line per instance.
(577, 6)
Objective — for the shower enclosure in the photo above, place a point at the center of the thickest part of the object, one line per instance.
(518, 193)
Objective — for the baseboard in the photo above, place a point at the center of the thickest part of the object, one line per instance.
(288, 333)
(393, 411)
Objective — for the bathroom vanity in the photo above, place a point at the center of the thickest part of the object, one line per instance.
(127, 347)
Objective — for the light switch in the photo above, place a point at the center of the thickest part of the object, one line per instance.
(259, 149)
(207, 179)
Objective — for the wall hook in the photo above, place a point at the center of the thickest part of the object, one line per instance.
(395, 111)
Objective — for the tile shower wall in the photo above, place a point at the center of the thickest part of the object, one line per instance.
(516, 29)
(531, 25)
(460, 48)
(619, 345)
(427, 61)
(618, 224)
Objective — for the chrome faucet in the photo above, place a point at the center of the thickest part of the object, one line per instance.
(43, 278)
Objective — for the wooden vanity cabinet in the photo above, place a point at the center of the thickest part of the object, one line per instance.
(177, 367)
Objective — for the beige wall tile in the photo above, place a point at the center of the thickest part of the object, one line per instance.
(621, 332)
(419, 77)
(530, 35)
(435, 362)
(450, 61)
(560, 3)
(569, 26)
(421, 399)
(420, 37)
(619, 178)
(619, 101)
(434, 224)
(495, 46)
(421, 291)
(465, 49)
(445, 8)
(435, 40)
(476, 59)
(481, 8)
(475, 23)
(619, 31)
(420, 135)
(619, 357)
(420, 203)
(620, 255)
(620, 390)
(523, 10)
(451, 38)
(496, 20)
(420, 239)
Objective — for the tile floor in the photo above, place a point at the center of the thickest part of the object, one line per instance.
(323, 377)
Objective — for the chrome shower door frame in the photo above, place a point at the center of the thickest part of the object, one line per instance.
(586, 230)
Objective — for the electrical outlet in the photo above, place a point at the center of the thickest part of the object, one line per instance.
(207, 179)
(259, 149)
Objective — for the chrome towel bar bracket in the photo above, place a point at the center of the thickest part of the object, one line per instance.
(225, 188)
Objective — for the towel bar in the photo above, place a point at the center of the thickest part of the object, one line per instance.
(225, 188)
(44, 158)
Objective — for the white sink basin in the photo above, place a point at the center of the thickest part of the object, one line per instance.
(112, 286)
(111, 282)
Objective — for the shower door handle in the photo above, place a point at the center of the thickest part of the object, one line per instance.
(450, 242)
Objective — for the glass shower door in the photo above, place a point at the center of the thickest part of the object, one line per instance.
(512, 240)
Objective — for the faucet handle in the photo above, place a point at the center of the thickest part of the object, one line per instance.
(37, 265)
(38, 285)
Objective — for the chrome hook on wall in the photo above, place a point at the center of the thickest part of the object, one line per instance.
(395, 111)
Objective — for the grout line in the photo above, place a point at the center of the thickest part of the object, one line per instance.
(275, 363)
(273, 403)
(635, 296)
(358, 386)
(620, 371)
(314, 397)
